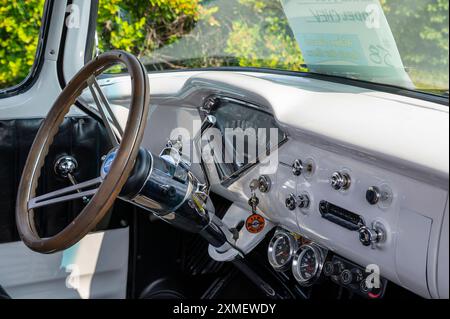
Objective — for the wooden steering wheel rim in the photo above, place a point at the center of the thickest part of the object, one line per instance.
(119, 172)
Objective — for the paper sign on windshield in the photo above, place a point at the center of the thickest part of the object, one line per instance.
(346, 37)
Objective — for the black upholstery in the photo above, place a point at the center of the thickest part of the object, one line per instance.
(82, 137)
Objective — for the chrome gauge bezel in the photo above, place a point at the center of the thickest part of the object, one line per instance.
(271, 250)
(296, 262)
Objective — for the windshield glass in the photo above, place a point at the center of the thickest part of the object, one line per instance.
(402, 43)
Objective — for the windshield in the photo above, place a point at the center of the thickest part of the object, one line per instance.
(401, 43)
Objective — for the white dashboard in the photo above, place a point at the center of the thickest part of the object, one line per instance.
(407, 255)
(380, 140)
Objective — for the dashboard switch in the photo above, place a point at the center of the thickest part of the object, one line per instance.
(291, 202)
(297, 167)
(371, 237)
(304, 201)
(346, 277)
(381, 196)
(333, 268)
(349, 277)
(340, 181)
(373, 195)
(328, 269)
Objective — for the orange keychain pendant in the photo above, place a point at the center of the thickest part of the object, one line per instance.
(255, 223)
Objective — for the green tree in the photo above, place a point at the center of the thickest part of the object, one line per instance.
(263, 38)
(421, 30)
(215, 33)
(143, 26)
(20, 21)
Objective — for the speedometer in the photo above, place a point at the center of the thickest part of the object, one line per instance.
(307, 264)
(281, 250)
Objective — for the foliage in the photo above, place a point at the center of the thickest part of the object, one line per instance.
(421, 32)
(200, 33)
(142, 26)
(269, 36)
(20, 21)
(168, 34)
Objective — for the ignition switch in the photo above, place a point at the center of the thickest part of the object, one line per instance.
(263, 184)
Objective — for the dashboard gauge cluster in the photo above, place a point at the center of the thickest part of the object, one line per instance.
(281, 251)
(307, 264)
(303, 258)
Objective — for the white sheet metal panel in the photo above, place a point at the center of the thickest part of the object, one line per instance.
(94, 268)
(412, 251)
(443, 260)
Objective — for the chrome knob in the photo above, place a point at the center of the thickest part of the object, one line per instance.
(291, 202)
(370, 237)
(297, 167)
(340, 181)
(65, 166)
(304, 201)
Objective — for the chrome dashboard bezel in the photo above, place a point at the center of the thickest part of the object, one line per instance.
(225, 180)
(270, 250)
(320, 259)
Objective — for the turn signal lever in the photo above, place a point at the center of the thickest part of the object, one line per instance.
(65, 167)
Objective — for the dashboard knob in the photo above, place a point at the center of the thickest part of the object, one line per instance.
(333, 268)
(363, 287)
(370, 237)
(291, 202)
(304, 201)
(340, 181)
(353, 276)
(373, 195)
(328, 269)
(297, 167)
(346, 277)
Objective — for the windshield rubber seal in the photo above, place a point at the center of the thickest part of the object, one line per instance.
(35, 70)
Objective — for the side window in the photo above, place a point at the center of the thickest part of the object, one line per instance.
(20, 22)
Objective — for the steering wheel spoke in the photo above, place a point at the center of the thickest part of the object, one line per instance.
(65, 194)
(106, 112)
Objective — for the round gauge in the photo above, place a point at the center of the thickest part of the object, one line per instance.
(281, 250)
(307, 264)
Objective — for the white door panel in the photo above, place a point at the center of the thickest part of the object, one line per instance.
(96, 267)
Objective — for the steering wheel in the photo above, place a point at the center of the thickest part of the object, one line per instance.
(117, 166)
